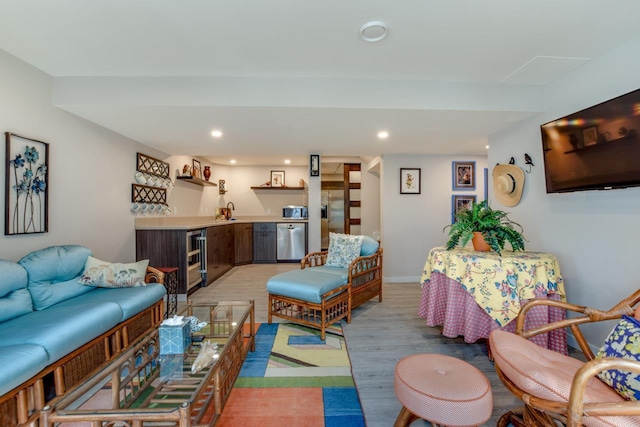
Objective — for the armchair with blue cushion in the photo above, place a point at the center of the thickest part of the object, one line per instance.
(329, 284)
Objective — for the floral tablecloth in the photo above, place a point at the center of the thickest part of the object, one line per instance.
(498, 284)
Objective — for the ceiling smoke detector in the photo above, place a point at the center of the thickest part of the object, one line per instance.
(373, 31)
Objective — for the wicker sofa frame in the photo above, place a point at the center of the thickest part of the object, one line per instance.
(364, 282)
(22, 405)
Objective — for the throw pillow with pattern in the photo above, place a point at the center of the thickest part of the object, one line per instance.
(343, 249)
(623, 341)
(113, 275)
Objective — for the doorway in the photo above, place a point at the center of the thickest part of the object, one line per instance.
(340, 200)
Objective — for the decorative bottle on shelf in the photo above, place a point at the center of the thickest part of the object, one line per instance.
(207, 172)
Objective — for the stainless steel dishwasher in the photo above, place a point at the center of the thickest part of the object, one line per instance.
(291, 239)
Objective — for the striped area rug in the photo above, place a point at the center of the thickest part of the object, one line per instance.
(294, 379)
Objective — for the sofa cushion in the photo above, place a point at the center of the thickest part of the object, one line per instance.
(62, 328)
(105, 274)
(308, 284)
(369, 246)
(53, 273)
(343, 249)
(130, 300)
(15, 299)
(19, 363)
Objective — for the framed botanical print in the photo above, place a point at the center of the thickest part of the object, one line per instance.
(26, 185)
(277, 178)
(459, 203)
(410, 181)
(464, 175)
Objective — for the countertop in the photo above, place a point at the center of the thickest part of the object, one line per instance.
(195, 222)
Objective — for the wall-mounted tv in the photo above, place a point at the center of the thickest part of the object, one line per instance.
(597, 148)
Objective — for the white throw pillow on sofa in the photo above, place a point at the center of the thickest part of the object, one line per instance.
(343, 249)
(113, 275)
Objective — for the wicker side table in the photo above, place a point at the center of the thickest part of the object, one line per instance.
(171, 283)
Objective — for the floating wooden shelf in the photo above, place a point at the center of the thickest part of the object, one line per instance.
(196, 181)
(277, 188)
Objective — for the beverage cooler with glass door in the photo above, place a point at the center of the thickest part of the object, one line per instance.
(196, 258)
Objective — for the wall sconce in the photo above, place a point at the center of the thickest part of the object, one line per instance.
(222, 186)
(314, 165)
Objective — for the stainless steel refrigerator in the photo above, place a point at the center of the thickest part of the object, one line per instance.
(332, 214)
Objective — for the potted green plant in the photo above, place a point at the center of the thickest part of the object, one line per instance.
(493, 225)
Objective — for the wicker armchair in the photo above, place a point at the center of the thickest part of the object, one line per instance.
(557, 388)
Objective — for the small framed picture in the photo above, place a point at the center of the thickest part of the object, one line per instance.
(590, 135)
(464, 175)
(196, 170)
(277, 178)
(314, 165)
(460, 203)
(410, 180)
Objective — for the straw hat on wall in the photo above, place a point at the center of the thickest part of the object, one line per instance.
(508, 182)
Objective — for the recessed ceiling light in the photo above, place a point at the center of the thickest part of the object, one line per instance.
(287, 161)
(373, 31)
(383, 134)
(486, 146)
(216, 133)
(232, 161)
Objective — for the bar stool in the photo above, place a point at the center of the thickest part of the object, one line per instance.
(443, 390)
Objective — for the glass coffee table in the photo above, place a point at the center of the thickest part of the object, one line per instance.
(143, 388)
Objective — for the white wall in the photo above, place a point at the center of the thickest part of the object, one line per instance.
(412, 223)
(188, 199)
(594, 234)
(90, 169)
(370, 224)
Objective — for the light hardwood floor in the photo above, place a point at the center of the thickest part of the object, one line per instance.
(379, 335)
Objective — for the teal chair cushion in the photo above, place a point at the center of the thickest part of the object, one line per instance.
(369, 246)
(19, 363)
(15, 299)
(340, 271)
(307, 284)
(54, 273)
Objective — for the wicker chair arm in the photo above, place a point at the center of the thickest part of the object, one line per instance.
(577, 406)
(154, 275)
(365, 265)
(314, 259)
(589, 315)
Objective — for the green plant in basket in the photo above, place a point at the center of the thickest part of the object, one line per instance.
(494, 225)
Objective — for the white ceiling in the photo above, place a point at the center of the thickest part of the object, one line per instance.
(292, 77)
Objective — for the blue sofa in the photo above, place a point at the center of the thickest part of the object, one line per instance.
(54, 331)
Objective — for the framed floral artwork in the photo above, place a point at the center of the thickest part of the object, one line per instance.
(26, 185)
(410, 180)
(459, 203)
(464, 175)
(277, 178)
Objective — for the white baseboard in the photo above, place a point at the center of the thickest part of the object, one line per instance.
(402, 279)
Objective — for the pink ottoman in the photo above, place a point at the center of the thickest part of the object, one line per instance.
(443, 390)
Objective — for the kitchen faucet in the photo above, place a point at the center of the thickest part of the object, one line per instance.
(233, 207)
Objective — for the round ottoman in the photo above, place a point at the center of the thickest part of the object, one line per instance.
(443, 390)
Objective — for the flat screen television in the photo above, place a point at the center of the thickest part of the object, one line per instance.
(597, 148)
